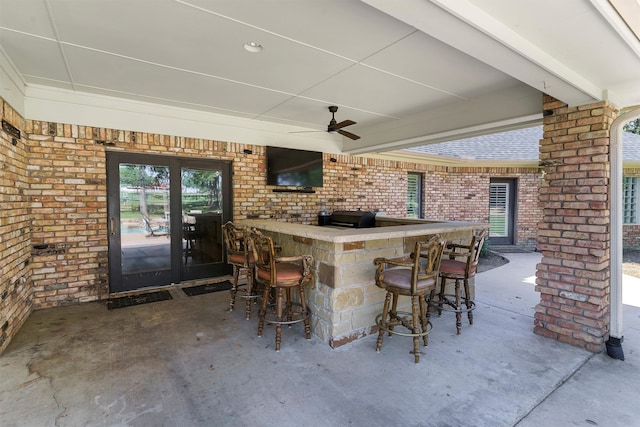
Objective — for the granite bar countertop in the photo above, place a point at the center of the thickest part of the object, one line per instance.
(347, 234)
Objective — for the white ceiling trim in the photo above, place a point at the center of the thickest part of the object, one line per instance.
(632, 10)
(459, 133)
(508, 52)
(480, 20)
(65, 106)
(12, 85)
(498, 111)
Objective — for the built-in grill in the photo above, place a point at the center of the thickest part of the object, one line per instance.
(355, 219)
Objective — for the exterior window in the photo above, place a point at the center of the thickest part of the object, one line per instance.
(414, 195)
(498, 209)
(630, 200)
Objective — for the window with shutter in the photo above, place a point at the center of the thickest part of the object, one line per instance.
(498, 209)
(414, 195)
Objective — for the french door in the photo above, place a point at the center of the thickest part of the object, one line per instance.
(165, 219)
(502, 211)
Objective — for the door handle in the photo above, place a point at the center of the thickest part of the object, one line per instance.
(113, 227)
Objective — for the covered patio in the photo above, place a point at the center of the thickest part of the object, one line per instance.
(189, 361)
(80, 80)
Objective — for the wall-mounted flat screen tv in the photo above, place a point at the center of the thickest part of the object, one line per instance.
(295, 168)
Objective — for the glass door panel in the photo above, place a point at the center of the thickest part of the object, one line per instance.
(144, 218)
(202, 219)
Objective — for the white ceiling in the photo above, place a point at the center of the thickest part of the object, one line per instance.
(409, 72)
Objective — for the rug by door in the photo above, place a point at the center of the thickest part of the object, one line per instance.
(131, 300)
(208, 288)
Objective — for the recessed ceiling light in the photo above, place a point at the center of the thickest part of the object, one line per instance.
(253, 47)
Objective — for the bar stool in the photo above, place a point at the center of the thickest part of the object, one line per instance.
(240, 256)
(414, 277)
(459, 263)
(189, 235)
(282, 275)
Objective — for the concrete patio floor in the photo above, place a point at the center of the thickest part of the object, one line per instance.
(189, 361)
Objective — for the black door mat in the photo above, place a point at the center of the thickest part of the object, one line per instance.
(208, 288)
(130, 300)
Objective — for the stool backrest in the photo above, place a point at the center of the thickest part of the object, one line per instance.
(263, 253)
(235, 241)
(426, 257)
(267, 259)
(475, 248)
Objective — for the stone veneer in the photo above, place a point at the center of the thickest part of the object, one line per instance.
(343, 298)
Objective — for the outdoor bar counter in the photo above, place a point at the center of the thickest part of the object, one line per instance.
(342, 296)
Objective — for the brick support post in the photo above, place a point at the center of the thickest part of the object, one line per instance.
(574, 235)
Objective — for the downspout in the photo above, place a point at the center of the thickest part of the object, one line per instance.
(614, 343)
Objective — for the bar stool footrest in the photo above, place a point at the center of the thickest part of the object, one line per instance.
(448, 304)
(399, 322)
(296, 314)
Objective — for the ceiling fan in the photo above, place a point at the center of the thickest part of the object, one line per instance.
(335, 127)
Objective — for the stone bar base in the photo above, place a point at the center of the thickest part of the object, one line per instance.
(343, 297)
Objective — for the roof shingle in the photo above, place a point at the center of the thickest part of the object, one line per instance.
(520, 144)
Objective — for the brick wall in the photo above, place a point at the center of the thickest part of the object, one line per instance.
(574, 235)
(631, 236)
(349, 183)
(529, 208)
(462, 194)
(15, 282)
(54, 230)
(68, 196)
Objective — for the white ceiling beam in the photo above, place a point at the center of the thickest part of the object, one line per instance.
(464, 26)
(628, 28)
(499, 111)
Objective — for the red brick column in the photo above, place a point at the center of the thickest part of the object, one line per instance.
(574, 235)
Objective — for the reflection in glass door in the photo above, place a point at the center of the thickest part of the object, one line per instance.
(144, 218)
(165, 219)
(202, 203)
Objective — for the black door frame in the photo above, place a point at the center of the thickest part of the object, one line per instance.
(177, 274)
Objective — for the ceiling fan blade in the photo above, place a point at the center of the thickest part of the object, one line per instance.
(348, 134)
(342, 124)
